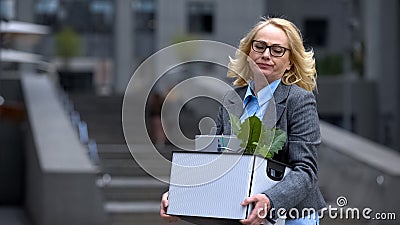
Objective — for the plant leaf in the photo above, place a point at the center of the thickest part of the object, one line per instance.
(279, 140)
(263, 151)
(256, 139)
(250, 131)
(266, 137)
(243, 134)
(235, 124)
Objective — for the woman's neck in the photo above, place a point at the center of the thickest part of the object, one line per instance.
(261, 82)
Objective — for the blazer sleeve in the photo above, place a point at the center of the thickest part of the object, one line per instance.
(302, 142)
(220, 121)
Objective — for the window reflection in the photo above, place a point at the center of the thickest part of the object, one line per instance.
(82, 15)
(200, 17)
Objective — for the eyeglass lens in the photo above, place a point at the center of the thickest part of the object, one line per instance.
(274, 50)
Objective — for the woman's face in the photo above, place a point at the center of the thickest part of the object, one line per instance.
(272, 67)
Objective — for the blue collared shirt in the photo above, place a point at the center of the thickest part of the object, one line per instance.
(257, 104)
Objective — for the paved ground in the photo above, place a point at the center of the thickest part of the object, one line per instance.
(13, 216)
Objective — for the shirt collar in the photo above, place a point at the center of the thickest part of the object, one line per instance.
(249, 93)
(264, 95)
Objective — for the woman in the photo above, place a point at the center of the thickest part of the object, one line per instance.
(276, 62)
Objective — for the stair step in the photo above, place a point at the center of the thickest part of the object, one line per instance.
(328, 221)
(143, 213)
(132, 207)
(129, 167)
(125, 189)
(133, 170)
(122, 213)
(13, 215)
(134, 182)
(115, 151)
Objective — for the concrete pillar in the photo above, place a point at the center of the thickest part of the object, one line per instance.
(398, 80)
(371, 18)
(123, 47)
(24, 10)
(391, 63)
(389, 68)
(381, 63)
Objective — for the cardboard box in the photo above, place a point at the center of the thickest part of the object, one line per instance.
(217, 143)
(208, 187)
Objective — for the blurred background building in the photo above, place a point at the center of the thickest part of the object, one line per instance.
(346, 37)
(87, 50)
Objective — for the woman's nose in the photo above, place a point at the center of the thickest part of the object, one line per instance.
(266, 54)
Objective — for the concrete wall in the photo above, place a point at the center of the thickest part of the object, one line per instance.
(382, 28)
(350, 96)
(231, 20)
(365, 173)
(60, 179)
(60, 197)
(123, 47)
(335, 12)
(12, 153)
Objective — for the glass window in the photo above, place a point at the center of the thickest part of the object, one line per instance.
(101, 15)
(316, 32)
(200, 17)
(46, 12)
(144, 15)
(84, 16)
(7, 9)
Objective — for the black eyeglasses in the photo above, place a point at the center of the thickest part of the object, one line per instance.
(274, 50)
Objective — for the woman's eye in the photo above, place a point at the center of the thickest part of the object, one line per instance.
(277, 49)
(260, 47)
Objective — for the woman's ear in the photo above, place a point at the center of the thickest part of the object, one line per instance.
(289, 66)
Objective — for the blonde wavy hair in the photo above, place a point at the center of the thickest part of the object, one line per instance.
(302, 72)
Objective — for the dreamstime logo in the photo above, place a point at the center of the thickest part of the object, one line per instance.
(343, 212)
(138, 91)
(341, 201)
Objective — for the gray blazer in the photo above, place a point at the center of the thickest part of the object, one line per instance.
(296, 113)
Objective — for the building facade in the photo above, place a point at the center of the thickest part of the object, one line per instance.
(355, 45)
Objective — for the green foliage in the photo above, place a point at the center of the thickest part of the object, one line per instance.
(235, 124)
(68, 43)
(330, 64)
(268, 147)
(186, 51)
(183, 37)
(250, 133)
(256, 138)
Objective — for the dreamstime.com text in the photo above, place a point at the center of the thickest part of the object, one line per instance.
(340, 212)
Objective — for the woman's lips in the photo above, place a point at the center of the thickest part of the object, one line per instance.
(264, 66)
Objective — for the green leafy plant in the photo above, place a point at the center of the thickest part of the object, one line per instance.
(330, 64)
(185, 52)
(68, 44)
(256, 138)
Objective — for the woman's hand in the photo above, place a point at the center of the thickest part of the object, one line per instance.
(163, 209)
(260, 81)
(261, 204)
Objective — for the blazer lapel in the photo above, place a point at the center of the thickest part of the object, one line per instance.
(271, 118)
(273, 113)
(235, 101)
